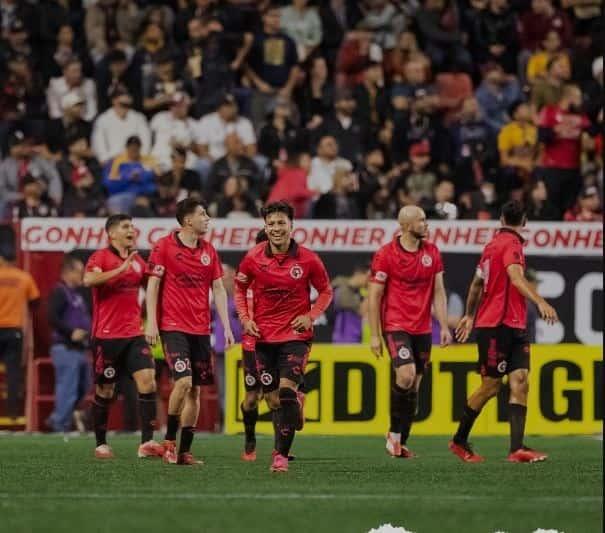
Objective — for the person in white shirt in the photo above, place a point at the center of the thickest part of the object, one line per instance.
(173, 128)
(302, 24)
(72, 80)
(320, 177)
(113, 127)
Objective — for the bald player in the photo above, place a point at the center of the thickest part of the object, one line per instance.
(406, 280)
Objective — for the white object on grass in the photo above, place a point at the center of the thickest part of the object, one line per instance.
(389, 528)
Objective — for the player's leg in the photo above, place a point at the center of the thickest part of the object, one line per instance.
(106, 355)
(249, 406)
(268, 373)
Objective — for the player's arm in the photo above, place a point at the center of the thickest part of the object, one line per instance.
(375, 294)
(96, 277)
(440, 306)
(152, 332)
(243, 280)
(517, 278)
(321, 282)
(465, 326)
(220, 300)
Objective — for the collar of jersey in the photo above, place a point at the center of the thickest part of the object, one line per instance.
(292, 249)
(180, 243)
(114, 251)
(400, 247)
(513, 232)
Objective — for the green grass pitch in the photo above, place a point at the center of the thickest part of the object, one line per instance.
(336, 484)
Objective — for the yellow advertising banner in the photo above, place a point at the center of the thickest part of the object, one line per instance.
(347, 392)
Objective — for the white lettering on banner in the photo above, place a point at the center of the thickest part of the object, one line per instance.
(461, 236)
(551, 286)
(585, 287)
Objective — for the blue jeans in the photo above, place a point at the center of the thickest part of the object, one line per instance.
(73, 379)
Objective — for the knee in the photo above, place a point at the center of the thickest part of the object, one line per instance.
(519, 384)
(405, 380)
(105, 391)
(250, 401)
(272, 400)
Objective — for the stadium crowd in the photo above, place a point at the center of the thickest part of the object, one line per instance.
(347, 109)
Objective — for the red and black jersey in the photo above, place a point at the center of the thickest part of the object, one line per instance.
(501, 302)
(116, 311)
(409, 284)
(187, 275)
(282, 286)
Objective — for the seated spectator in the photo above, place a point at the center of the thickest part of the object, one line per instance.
(235, 200)
(538, 206)
(192, 10)
(547, 91)
(173, 128)
(384, 21)
(187, 181)
(161, 86)
(153, 45)
(61, 52)
(166, 197)
(131, 174)
(21, 92)
(414, 86)
(33, 203)
(382, 205)
(278, 132)
(407, 48)
(543, 17)
(70, 125)
(588, 207)
(371, 99)
(72, 81)
(235, 162)
(497, 92)
(113, 127)
(324, 165)
(418, 182)
(291, 184)
(350, 306)
(15, 42)
(444, 207)
(302, 24)
(113, 71)
(316, 97)
(355, 54)
(537, 66)
(341, 201)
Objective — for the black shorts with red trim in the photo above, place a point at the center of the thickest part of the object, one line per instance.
(114, 356)
(188, 355)
(502, 350)
(251, 375)
(283, 360)
(406, 348)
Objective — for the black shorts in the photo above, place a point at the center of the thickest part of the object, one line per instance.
(283, 360)
(188, 355)
(113, 356)
(502, 350)
(251, 377)
(405, 348)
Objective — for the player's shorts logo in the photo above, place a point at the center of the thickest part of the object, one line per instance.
(381, 276)
(180, 366)
(427, 260)
(404, 353)
(266, 378)
(109, 372)
(205, 259)
(136, 267)
(158, 270)
(502, 366)
(296, 272)
(250, 380)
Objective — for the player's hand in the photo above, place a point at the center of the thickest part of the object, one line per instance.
(464, 328)
(152, 334)
(547, 312)
(128, 261)
(376, 346)
(302, 323)
(250, 328)
(229, 339)
(445, 337)
(78, 335)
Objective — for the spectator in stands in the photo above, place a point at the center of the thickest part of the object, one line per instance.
(115, 71)
(341, 201)
(588, 207)
(271, 64)
(384, 21)
(543, 17)
(350, 306)
(562, 129)
(18, 295)
(316, 97)
(235, 200)
(414, 86)
(21, 92)
(166, 197)
(33, 204)
(538, 205)
(70, 321)
(173, 128)
(278, 132)
(113, 127)
(130, 175)
(453, 87)
(291, 183)
(192, 10)
(71, 124)
(184, 179)
(324, 164)
(23, 161)
(302, 24)
(418, 182)
(72, 81)
(15, 42)
(592, 90)
(407, 48)
(382, 205)
(497, 92)
(548, 91)
(153, 46)
(61, 50)
(537, 66)
(371, 99)
(444, 207)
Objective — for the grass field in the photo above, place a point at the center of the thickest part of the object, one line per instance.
(336, 484)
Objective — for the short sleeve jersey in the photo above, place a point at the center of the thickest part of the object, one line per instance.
(17, 289)
(409, 284)
(187, 275)
(501, 302)
(116, 311)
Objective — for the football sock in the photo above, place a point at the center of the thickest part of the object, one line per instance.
(409, 412)
(466, 424)
(288, 418)
(250, 418)
(187, 433)
(517, 415)
(172, 426)
(100, 413)
(398, 400)
(147, 408)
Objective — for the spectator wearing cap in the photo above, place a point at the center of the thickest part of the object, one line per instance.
(279, 131)
(71, 124)
(173, 128)
(21, 162)
(324, 164)
(112, 71)
(588, 207)
(32, 203)
(131, 174)
(548, 91)
(541, 18)
(538, 206)
(112, 128)
(21, 92)
(302, 24)
(72, 80)
(497, 92)
(271, 64)
(340, 202)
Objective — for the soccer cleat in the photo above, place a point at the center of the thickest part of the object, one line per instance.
(526, 455)
(249, 453)
(290, 456)
(187, 459)
(150, 449)
(406, 453)
(104, 451)
(393, 444)
(300, 397)
(280, 463)
(169, 455)
(465, 452)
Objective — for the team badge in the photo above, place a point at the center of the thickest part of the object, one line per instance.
(296, 272)
(381, 276)
(404, 353)
(158, 270)
(266, 378)
(205, 259)
(502, 367)
(427, 260)
(250, 380)
(109, 372)
(180, 366)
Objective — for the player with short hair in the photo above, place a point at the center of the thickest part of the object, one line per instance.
(499, 290)
(116, 274)
(282, 273)
(183, 268)
(406, 280)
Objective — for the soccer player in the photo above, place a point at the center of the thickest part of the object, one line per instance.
(116, 274)
(183, 268)
(282, 272)
(406, 280)
(499, 289)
